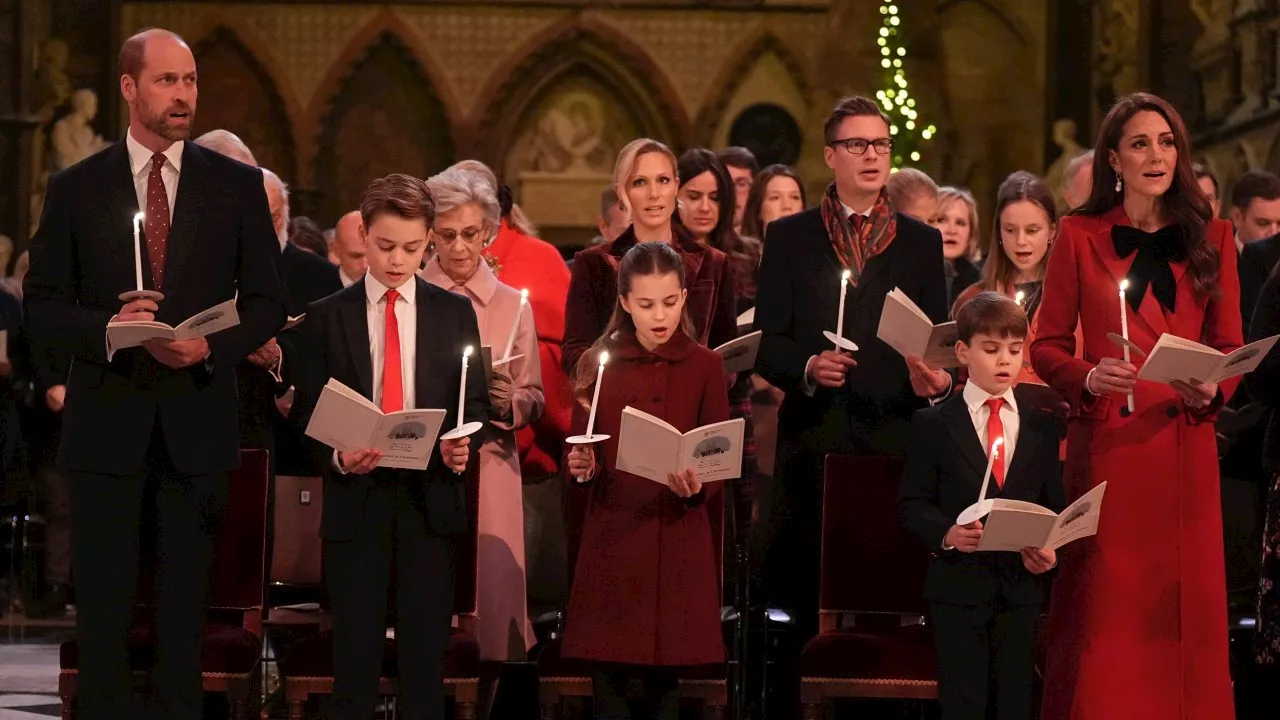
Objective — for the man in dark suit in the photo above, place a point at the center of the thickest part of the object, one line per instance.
(984, 604)
(1255, 212)
(152, 426)
(397, 340)
(837, 402)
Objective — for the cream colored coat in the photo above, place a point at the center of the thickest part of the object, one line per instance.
(505, 632)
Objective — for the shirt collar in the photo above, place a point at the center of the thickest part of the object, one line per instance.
(482, 285)
(850, 212)
(975, 397)
(375, 291)
(140, 157)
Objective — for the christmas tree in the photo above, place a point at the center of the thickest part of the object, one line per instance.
(909, 132)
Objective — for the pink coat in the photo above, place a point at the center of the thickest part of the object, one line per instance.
(505, 632)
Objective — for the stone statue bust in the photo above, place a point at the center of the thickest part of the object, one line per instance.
(1064, 136)
(73, 137)
(52, 86)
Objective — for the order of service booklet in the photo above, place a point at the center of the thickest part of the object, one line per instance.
(121, 335)
(1176, 358)
(650, 447)
(348, 422)
(740, 354)
(907, 329)
(1013, 524)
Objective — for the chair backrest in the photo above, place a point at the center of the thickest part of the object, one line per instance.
(869, 563)
(296, 551)
(239, 564)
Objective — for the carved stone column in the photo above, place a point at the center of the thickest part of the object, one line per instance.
(20, 24)
(1255, 42)
(1214, 58)
(1118, 47)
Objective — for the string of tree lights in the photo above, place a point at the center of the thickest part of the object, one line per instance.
(909, 132)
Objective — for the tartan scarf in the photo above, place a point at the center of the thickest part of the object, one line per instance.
(852, 248)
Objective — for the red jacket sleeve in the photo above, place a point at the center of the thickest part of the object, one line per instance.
(1053, 352)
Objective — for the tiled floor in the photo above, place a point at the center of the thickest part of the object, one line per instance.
(28, 707)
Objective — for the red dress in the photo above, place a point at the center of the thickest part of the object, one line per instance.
(1138, 626)
(647, 586)
(527, 262)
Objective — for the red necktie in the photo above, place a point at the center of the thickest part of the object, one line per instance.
(855, 221)
(157, 220)
(995, 429)
(392, 380)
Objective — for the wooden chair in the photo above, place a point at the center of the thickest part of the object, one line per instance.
(306, 668)
(296, 554)
(873, 570)
(230, 654)
(561, 677)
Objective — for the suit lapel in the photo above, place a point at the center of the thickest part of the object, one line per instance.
(960, 425)
(355, 325)
(422, 344)
(186, 213)
(124, 205)
(1149, 315)
(1028, 445)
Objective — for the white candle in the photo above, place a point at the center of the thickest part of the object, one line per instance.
(991, 463)
(515, 327)
(595, 398)
(137, 249)
(844, 287)
(462, 389)
(1124, 332)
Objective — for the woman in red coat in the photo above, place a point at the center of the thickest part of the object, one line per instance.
(646, 592)
(1138, 626)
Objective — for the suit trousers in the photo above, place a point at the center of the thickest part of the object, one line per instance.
(982, 648)
(625, 692)
(358, 574)
(116, 521)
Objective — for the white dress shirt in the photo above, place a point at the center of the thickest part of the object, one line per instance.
(346, 281)
(407, 319)
(375, 308)
(140, 167)
(975, 399)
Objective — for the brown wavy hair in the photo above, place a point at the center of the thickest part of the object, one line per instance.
(1183, 201)
(998, 271)
(646, 258)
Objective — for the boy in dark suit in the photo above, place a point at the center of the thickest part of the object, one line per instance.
(398, 340)
(984, 605)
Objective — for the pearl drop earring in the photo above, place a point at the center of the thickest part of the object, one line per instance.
(1119, 183)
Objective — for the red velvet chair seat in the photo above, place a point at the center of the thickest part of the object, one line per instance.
(905, 653)
(313, 657)
(227, 649)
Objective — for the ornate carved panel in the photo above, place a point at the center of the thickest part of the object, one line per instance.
(386, 117)
(237, 94)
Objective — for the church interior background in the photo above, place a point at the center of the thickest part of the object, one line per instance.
(330, 95)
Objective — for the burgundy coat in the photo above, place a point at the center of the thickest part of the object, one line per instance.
(593, 293)
(647, 586)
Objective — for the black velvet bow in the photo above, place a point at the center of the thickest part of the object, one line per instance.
(1151, 267)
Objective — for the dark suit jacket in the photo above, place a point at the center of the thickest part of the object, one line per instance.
(593, 293)
(338, 328)
(1256, 260)
(1263, 383)
(799, 291)
(220, 242)
(307, 277)
(943, 476)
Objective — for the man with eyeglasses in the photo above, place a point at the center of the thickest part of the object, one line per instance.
(839, 402)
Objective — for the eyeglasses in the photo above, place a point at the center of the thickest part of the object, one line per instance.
(470, 235)
(858, 146)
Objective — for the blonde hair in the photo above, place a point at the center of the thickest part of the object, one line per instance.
(948, 195)
(626, 164)
(907, 184)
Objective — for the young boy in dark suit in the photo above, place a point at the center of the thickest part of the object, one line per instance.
(984, 605)
(398, 340)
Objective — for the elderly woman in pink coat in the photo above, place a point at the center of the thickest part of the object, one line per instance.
(467, 217)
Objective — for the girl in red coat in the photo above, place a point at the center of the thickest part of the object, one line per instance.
(646, 592)
(1138, 620)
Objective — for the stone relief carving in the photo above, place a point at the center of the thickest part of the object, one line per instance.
(1116, 56)
(1064, 136)
(73, 137)
(570, 136)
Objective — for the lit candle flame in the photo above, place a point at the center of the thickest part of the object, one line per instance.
(1019, 297)
(844, 276)
(1124, 285)
(604, 357)
(139, 217)
(466, 352)
(524, 294)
